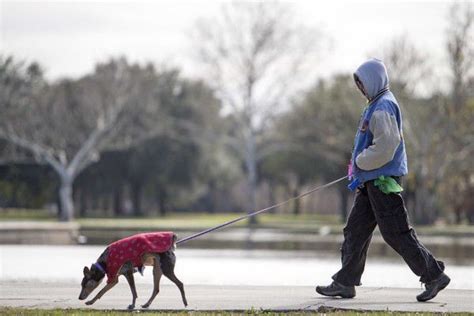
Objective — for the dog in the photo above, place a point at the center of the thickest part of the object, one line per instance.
(129, 255)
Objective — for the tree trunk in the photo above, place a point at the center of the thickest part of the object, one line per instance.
(66, 206)
(425, 203)
(137, 199)
(83, 202)
(296, 203)
(251, 164)
(409, 195)
(162, 198)
(458, 216)
(344, 197)
(271, 196)
(470, 217)
(105, 204)
(469, 205)
(14, 197)
(212, 196)
(118, 206)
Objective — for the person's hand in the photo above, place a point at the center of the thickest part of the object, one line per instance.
(355, 183)
(350, 170)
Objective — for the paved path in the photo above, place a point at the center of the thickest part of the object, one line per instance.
(61, 295)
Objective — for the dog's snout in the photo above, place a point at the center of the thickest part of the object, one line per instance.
(82, 296)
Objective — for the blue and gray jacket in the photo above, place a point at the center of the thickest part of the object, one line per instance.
(379, 148)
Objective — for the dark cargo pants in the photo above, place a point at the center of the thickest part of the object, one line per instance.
(371, 208)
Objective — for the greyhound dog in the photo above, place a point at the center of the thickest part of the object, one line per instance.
(129, 255)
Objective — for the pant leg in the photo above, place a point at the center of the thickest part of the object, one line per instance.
(392, 218)
(357, 235)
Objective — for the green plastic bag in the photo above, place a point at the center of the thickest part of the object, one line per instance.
(387, 185)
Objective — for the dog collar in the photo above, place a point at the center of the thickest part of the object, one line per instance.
(98, 266)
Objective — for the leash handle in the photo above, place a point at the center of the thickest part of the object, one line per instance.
(204, 232)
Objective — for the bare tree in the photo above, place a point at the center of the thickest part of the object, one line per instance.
(439, 133)
(459, 129)
(254, 55)
(66, 125)
(460, 49)
(321, 128)
(410, 72)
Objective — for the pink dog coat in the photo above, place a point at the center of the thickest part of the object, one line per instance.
(132, 249)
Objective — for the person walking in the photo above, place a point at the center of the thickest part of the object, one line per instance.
(378, 163)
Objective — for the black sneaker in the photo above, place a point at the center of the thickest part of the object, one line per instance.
(433, 287)
(337, 289)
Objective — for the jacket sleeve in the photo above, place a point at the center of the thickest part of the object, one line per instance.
(386, 139)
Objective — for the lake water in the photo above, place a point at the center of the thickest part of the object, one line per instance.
(220, 267)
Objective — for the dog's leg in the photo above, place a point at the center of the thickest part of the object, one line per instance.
(156, 280)
(107, 287)
(168, 262)
(131, 283)
(179, 284)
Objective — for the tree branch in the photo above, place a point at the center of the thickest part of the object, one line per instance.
(36, 149)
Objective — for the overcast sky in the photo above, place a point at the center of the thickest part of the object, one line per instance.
(69, 37)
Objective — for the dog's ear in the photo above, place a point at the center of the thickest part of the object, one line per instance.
(86, 271)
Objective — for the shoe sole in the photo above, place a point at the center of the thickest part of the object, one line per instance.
(442, 287)
(334, 295)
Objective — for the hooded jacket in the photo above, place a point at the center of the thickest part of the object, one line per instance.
(379, 148)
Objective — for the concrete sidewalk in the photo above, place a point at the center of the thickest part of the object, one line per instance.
(236, 298)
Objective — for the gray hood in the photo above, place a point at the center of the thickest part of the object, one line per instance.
(373, 75)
